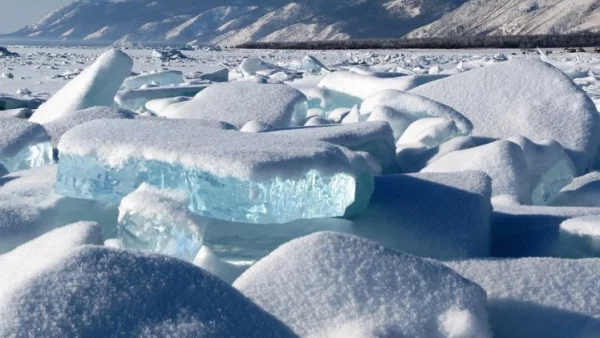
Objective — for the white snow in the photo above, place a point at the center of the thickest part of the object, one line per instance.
(207, 260)
(276, 105)
(363, 86)
(538, 297)
(96, 86)
(322, 284)
(584, 191)
(97, 291)
(580, 237)
(523, 98)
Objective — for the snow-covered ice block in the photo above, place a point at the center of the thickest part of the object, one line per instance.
(538, 297)
(102, 292)
(159, 221)
(253, 66)
(415, 106)
(163, 78)
(584, 191)
(580, 237)
(418, 214)
(29, 207)
(398, 121)
(21, 113)
(325, 99)
(10, 102)
(59, 126)
(219, 75)
(229, 175)
(375, 138)
(24, 262)
(337, 285)
(363, 86)
(276, 105)
(134, 99)
(23, 144)
(523, 97)
(530, 231)
(312, 65)
(502, 160)
(95, 86)
(550, 168)
(3, 170)
(426, 133)
(207, 260)
(162, 107)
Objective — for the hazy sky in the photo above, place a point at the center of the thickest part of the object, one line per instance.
(19, 13)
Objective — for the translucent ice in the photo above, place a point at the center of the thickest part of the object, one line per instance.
(23, 145)
(162, 78)
(228, 175)
(96, 86)
(159, 221)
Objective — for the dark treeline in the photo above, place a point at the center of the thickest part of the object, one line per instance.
(478, 41)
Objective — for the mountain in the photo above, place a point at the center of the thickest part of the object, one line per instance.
(231, 22)
(516, 17)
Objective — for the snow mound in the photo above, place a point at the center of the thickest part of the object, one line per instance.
(26, 261)
(95, 86)
(363, 86)
(59, 126)
(326, 284)
(417, 214)
(10, 102)
(207, 260)
(580, 237)
(101, 292)
(164, 106)
(275, 105)
(538, 297)
(134, 99)
(527, 98)
(163, 78)
(502, 160)
(584, 191)
(23, 144)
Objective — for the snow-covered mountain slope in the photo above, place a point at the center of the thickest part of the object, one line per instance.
(235, 21)
(512, 17)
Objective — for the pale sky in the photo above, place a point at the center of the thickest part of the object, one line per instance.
(19, 13)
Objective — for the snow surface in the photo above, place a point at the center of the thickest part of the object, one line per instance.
(544, 104)
(95, 86)
(276, 105)
(584, 191)
(580, 237)
(538, 297)
(97, 291)
(331, 284)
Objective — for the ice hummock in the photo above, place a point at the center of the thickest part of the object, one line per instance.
(95, 86)
(228, 175)
(23, 145)
(134, 99)
(163, 78)
(159, 221)
(580, 237)
(337, 285)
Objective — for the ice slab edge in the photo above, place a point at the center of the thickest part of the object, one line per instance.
(31, 156)
(274, 200)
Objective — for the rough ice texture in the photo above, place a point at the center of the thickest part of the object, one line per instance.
(580, 237)
(26, 261)
(137, 98)
(229, 175)
(523, 97)
(538, 297)
(276, 105)
(29, 207)
(363, 86)
(415, 106)
(159, 221)
(207, 260)
(502, 160)
(61, 125)
(530, 231)
(331, 284)
(101, 292)
(584, 191)
(375, 138)
(164, 78)
(23, 144)
(95, 86)
(438, 215)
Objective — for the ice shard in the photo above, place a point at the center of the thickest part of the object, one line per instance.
(23, 145)
(159, 221)
(227, 175)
